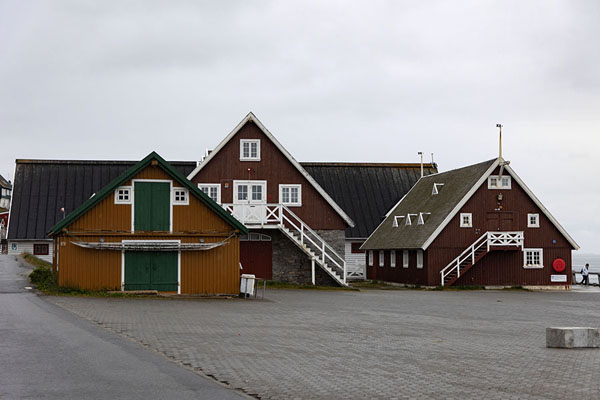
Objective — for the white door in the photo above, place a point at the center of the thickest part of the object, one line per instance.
(249, 199)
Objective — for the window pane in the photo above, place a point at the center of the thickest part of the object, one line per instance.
(242, 192)
(285, 195)
(256, 192)
(213, 193)
(294, 195)
(254, 150)
(246, 149)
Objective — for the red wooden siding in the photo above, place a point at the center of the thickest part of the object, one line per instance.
(410, 275)
(256, 258)
(274, 168)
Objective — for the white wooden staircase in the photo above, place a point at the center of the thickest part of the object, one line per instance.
(281, 217)
(475, 252)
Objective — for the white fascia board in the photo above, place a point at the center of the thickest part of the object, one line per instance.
(542, 207)
(460, 204)
(309, 178)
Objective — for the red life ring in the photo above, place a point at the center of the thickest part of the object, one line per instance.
(559, 265)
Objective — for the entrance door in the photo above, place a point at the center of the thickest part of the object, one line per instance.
(249, 199)
(151, 270)
(499, 221)
(256, 255)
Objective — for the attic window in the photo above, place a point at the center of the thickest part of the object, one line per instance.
(250, 150)
(436, 188)
(533, 220)
(123, 195)
(466, 220)
(180, 196)
(499, 182)
(396, 219)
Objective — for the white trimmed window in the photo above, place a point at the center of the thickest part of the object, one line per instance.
(381, 258)
(370, 258)
(496, 182)
(405, 259)
(419, 259)
(393, 258)
(533, 258)
(466, 220)
(533, 220)
(123, 195)
(290, 195)
(250, 150)
(213, 190)
(181, 196)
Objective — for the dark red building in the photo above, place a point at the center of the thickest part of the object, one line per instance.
(477, 225)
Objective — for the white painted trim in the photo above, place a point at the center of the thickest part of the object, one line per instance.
(291, 204)
(212, 185)
(117, 201)
(468, 224)
(501, 187)
(180, 203)
(309, 178)
(460, 204)
(249, 183)
(537, 220)
(541, 207)
(250, 158)
(151, 241)
(133, 181)
(533, 266)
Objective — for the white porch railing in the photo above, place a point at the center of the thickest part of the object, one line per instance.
(260, 215)
(483, 244)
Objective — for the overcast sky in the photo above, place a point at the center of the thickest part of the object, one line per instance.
(333, 81)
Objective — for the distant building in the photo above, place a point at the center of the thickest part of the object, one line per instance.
(477, 225)
(5, 194)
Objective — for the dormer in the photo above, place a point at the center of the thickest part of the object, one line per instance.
(422, 217)
(436, 188)
(409, 218)
(396, 219)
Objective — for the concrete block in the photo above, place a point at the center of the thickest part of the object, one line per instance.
(572, 337)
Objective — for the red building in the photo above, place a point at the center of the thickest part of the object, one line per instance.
(297, 231)
(477, 225)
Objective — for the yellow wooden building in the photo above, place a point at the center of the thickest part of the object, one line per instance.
(149, 229)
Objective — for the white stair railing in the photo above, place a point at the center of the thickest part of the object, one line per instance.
(307, 239)
(489, 240)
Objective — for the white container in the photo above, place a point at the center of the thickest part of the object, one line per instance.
(247, 284)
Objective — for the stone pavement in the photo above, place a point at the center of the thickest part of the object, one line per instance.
(370, 344)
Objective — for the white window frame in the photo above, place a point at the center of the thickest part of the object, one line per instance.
(464, 224)
(393, 258)
(420, 259)
(405, 259)
(499, 184)
(533, 266)
(185, 201)
(535, 224)
(249, 142)
(249, 184)
(381, 258)
(291, 186)
(211, 185)
(130, 195)
(370, 258)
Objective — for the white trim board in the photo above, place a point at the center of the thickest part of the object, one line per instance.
(309, 178)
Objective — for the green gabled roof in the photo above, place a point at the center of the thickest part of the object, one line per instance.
(129, 174)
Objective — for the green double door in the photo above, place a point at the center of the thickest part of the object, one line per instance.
(152, 208)
(151, 270)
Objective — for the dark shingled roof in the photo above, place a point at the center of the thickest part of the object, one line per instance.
(4, 183)
(366, 191)
(457, 183)
(42, 187)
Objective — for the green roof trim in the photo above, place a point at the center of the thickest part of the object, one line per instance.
(129, 174)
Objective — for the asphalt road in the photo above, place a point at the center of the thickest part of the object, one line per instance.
(47, 352)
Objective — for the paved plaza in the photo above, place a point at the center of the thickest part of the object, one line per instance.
(368, 344)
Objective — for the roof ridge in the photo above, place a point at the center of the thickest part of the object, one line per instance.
(365, 164)
(88, 162)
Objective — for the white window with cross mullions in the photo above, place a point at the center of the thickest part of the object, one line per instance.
(212, 190)
(250, 150)
(290, 195)
(123, 195)
(180, 196)
(533, 258)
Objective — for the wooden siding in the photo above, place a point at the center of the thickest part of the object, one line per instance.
(500, 267)
(213, 271)
(274, 168)
(26, 246)
(355, 262)
(411, 275)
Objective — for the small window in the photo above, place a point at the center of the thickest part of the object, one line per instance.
(290, 195)
(123, 195)
(40, 249)
(393, 258)
(466, 220)
(213, 190)
(496, 182)
(370, 258)
(533, 220)
(533, 258)
(381, 258)
(405, 259)
(419, 259)
(180, 196)
(250, 150)
(355, 248)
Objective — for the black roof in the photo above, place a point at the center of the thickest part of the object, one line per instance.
(4, 183)
(43, 187)
(366, 191)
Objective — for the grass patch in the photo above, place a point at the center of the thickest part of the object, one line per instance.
(286, 285)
